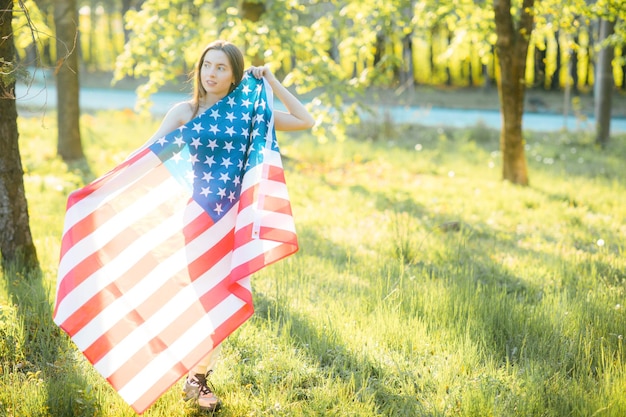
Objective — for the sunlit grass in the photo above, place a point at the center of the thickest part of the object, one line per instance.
(424, 285)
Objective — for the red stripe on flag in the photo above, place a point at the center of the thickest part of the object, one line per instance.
(262, 260)
(161, 385)
(248, 196)
(278, 235)
(275, 173)
(201, 224)
(135, 318)
(211, 257)
(92, 263)
(194, 270)
(276, 205)
(95, 261)
(243, 235)
(169, 335)
(235, 320)
(105, 212)
(159, 388)
(270, 203)
(98, 183)
(127, 324)
(239, 291)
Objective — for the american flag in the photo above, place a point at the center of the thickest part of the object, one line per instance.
(156, 255)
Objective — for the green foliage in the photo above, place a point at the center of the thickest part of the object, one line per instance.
(22, 26)
(331, 52)
(30, 27)
(346, 46)
(424, 285)
(162, 51)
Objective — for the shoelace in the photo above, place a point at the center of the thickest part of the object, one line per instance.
(205, 386)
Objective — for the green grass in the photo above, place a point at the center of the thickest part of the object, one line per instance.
(424, 285)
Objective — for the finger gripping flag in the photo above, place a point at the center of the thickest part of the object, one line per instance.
(156, 255)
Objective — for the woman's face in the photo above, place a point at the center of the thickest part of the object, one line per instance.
(216, 73)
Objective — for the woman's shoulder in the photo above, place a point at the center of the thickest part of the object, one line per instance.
(178, 115)
(182, 111)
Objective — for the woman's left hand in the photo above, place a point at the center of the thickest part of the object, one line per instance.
(259, 72)
(297, 116)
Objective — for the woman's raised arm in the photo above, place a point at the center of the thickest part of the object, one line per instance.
(297, 116)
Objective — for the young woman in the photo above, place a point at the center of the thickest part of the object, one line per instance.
(217, 73)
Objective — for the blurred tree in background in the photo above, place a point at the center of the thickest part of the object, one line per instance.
(69, 146)
(335, 50)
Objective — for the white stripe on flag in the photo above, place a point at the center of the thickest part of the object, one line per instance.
(166, 315)
(106, 232)
(253, 214)
(252, 177)
(139, 385)
(123, 179)
(251, 250)
(150, 284)
(113, 269)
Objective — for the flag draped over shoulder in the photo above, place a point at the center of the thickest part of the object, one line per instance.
(157, 254)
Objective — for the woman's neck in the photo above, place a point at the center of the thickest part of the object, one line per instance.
(208, 101)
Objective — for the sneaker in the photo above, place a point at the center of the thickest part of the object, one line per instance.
(199, 388)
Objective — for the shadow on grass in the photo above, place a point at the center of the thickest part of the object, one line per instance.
(504, 313)
(528, 339)
(312, 242)
(325, 348)
(46, 356)
(508, 318)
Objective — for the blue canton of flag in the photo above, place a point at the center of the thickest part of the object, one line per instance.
(211, 157)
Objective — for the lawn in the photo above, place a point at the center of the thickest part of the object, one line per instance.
(424, 285)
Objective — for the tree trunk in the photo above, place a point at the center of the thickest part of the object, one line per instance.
(623, 86)
(407, 75)
(379, 48)
(604, 86)
(69, 146)
(573, 66)
(512, 48)
(125, 8)
(92, 60)
(488, 73)
(109, 16)
(252, 10)
(540, 67)
(431, 55)
(448, 70)
(486, 77)
(555, 83)
(16, 241)
(591, 69)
